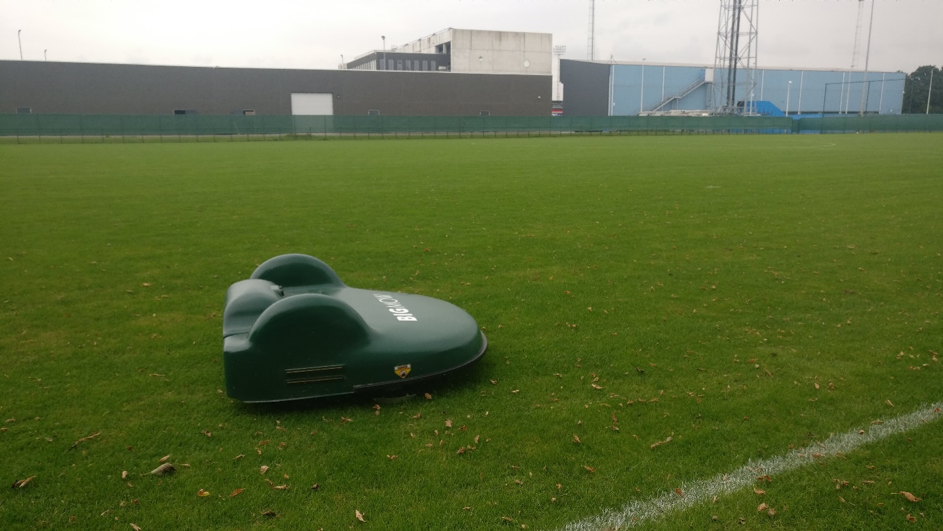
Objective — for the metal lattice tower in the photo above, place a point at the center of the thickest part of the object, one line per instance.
(590, 52)
(734, 80)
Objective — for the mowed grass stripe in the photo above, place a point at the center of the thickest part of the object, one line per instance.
(737, 294)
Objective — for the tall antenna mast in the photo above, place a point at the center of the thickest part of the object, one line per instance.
(590, 52)
(735, 60)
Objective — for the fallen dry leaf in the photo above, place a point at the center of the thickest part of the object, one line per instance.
(771, 512)
(577, 439)
(22, 483)
(270, 514)
(448, 423)
(428, 396)
(659, 443)
(911, 519)
(359, 515)
(316, 486)
(591, 469)
(909, 496)
(762, 507)
(679, 492)
(202, 493)
(135, 528)
(236, 493)
(280, 487)
(163, 469)
(83, 439)
(124, 474)
(759, 491)
(263, 469)
(164, 459)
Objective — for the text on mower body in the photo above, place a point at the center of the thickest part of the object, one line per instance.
(397, 309)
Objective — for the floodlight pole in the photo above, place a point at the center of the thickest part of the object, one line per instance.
(867, 55)
(384, 52)
(641, 95)
(929, 92)
(20, 43)
(44, 55)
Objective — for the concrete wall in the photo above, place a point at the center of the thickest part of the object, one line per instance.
(84, 88)
(483, 51)
(428, 43)
(501, 52)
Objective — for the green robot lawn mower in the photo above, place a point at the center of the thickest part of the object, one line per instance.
(293, 331)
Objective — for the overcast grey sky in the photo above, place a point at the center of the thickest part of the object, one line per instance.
(313, 34)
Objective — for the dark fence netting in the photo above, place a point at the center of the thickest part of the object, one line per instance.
(142, 128)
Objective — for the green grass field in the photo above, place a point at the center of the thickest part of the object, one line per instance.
(742, 295)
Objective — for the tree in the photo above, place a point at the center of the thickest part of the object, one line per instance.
(917, 88)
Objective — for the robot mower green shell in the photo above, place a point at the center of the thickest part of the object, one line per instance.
(293, 330)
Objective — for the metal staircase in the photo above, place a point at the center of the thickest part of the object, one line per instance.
(694, 86)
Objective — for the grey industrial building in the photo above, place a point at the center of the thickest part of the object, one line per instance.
(450, 73)
(86, 88)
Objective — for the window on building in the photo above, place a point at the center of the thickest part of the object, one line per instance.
(484, 113)
(425, 66)
(373, 112)
(416, 64)
(433, 66)
(399, 64)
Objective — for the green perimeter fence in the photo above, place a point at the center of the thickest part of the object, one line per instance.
(216, 127)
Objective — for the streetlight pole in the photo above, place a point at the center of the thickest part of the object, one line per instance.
(44, 55)
(20, 42)
(384, 52)
(788, 91)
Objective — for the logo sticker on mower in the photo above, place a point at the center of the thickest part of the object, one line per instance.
(402, 370)
(397, 309)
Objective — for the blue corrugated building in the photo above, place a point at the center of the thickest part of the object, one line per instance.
(628, 89)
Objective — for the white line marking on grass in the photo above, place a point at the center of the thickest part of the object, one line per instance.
(703, 490)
